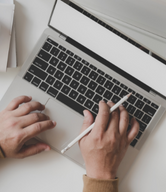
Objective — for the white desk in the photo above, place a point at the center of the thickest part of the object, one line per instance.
(50, 171)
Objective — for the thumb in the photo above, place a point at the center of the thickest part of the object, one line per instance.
(88, 120)
(33, 150)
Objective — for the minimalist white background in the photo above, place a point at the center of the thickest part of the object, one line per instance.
(50, 171)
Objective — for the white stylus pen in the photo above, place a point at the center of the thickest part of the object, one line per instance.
(90, 127)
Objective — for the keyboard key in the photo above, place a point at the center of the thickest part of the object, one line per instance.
(146, 119)
(81, 99)
(116, 81)
(108, 95)
(47, 46)
(88, 104)
(123, 86)
(138, 114)
(101, 80)
(93, 75)
(142, 126)
(62, 48)
(139, 135)
(147, 101)
(89, 94)
(85, 70)
(125, 104)
(97, 98)
(51, 70)
(108, 76)
(66, 79)
(77, 75)
(85, 62)
(92, 85)
(132, 99)
(100, 90)
(133, 143)
(100, 72)
(55, 51)
(77, 57)
(52, 42)
(70, 61)
(123, 93)
(95, 109)
(78, 65)
(39, 73)
(69, 53)
(84, 80)
(131, 109)
(149, 110)
(50, 80)
(28, 77)
(53, 92)
(36, 81)
(116, 90)
(82, 89)
(54, 61)
(108, 85)
(131, 91)
(40, 63)
(155, 106)
(139, 104)
(61, 66)
(62, 56)
(70, 103)
(66, 89)
(58, 85)
(58, 75)
(44, 86)
(69, 71)
(73, 94)
(93, 67)
(74, 84)
(115, 99)
(44, 55)
(139, 96)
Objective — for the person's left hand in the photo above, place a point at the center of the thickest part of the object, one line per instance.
(18, 125)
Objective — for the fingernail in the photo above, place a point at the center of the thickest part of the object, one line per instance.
(102, 101)
(85, 113)
(47, 148)
(54, 123)
(110, 101)
(30, 97)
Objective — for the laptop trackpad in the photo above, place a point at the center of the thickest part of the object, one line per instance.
(68, 127)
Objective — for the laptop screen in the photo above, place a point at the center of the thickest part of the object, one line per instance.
(108, 45)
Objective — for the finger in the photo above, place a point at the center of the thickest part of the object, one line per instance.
(133, 131)
(14, 104)
(114, 119)
(33, 150)
(123, 121)
(102, 118)
(88, 120)
(28, 107)
(35, 129)
(32, 118)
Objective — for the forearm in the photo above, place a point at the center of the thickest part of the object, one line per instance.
(95, 185)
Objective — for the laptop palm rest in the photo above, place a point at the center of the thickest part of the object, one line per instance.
(68, 127)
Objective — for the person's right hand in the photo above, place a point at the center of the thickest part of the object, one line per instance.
(18, 125)
(105, 146)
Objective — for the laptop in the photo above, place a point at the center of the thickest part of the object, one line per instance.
(80, 60)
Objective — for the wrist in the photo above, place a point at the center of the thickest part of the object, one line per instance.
(101, 175)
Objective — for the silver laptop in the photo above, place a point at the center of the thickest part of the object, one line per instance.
(80, 60)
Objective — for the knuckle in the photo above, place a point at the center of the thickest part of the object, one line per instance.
(38, 127)
(28, 107)
(36, 116)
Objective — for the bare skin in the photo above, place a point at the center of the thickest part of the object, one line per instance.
(105, 146)
(18, 125)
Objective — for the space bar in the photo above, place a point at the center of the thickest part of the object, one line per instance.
(70, 103)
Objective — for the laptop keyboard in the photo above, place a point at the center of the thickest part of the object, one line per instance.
(80, 85)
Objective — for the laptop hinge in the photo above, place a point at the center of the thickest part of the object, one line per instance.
(155, 93)
(62, 36)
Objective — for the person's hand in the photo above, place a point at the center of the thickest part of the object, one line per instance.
(18, 125)
(105, 146)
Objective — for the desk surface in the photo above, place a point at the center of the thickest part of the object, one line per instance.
(50, 171)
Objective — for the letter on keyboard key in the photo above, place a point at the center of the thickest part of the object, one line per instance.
(39, 73)
(44, 55)
(53, 92)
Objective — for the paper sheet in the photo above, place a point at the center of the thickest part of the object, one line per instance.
(6, 22)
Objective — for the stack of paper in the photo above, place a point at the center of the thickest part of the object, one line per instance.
(7, 35)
